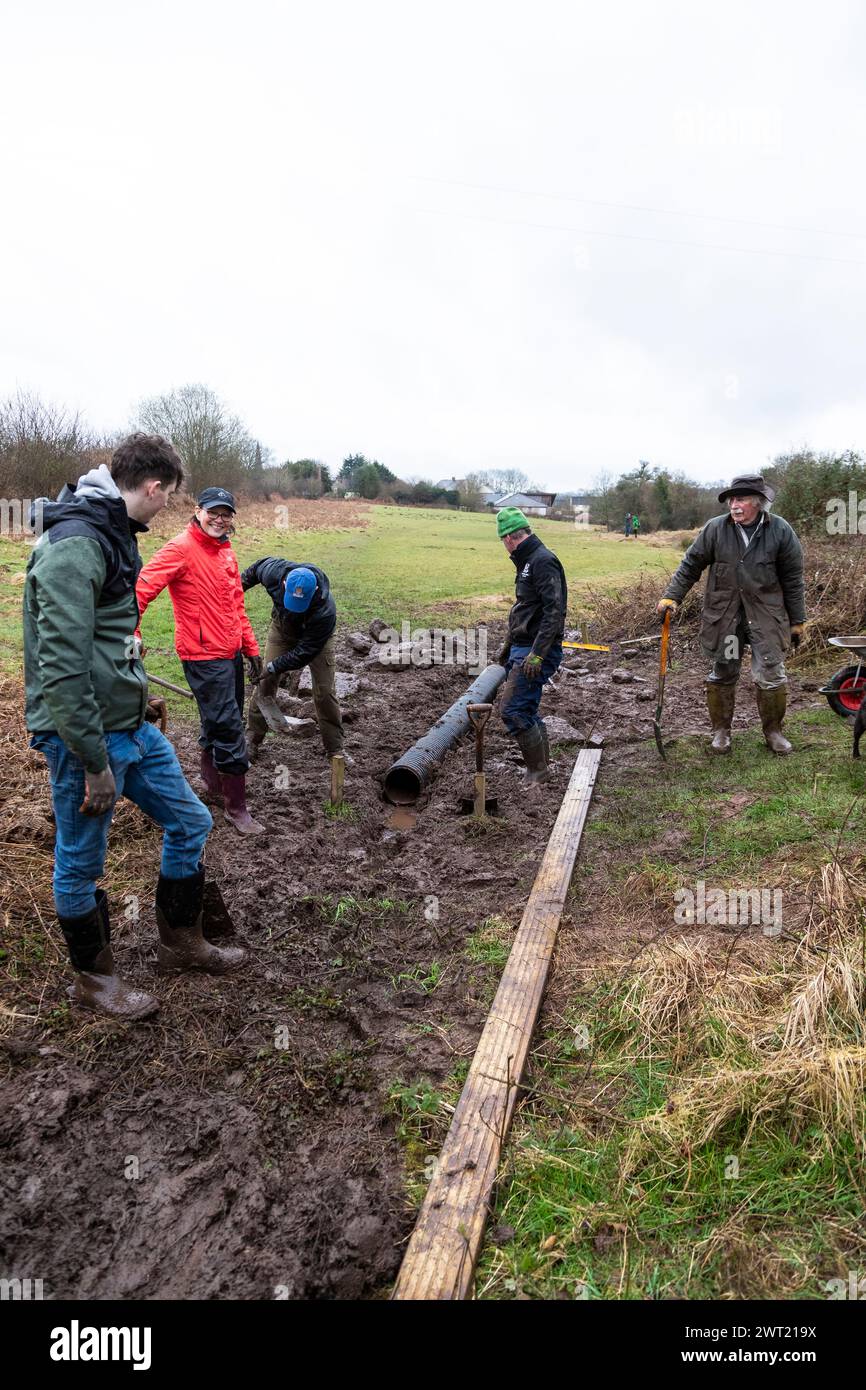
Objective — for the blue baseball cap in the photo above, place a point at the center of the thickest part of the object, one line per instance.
(216, 497)
(300, 588)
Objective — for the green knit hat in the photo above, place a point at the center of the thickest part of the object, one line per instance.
(510, 519)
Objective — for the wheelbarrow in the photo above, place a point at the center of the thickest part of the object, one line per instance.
(847, 686)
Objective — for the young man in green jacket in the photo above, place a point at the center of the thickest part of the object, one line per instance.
(87, 709)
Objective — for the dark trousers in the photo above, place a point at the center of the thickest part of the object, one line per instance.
(520, 697)
(218, 687)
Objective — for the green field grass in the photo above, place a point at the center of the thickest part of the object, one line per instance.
(428, 567)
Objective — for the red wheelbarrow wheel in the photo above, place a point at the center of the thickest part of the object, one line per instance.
(845, 690)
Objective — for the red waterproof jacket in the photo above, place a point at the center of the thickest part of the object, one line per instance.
(204, 583)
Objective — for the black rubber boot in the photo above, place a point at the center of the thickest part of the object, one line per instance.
(720, 703)
(531, 744)
(546, 742)
(97, 985)
(182, 945)
(254, 743)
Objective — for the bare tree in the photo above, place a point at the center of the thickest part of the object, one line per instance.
(42, 446)
(505, 480)
(601, 493)
(213, 443)
(471, 493)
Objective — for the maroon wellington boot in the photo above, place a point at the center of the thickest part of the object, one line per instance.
(236, 813)
(210, 776)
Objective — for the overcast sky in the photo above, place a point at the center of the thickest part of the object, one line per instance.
(449, 236)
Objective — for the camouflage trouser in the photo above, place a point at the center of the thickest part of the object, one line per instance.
(322, 671)
(728, 658)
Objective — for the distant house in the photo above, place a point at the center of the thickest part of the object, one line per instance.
(577, 503)
(530, 503)
(488, 496)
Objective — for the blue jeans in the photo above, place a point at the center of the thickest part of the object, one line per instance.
(521, 698)
(146, 771)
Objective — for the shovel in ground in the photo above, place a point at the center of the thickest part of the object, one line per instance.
(277, 722)
(663, 667)
(479, 805)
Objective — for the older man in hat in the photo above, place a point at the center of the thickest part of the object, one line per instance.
(754, 596)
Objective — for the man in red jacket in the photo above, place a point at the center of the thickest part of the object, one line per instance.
(212, 635)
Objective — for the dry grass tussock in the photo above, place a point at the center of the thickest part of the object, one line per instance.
(771, 1031)
(291, 514)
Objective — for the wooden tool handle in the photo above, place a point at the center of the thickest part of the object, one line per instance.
(666, 632)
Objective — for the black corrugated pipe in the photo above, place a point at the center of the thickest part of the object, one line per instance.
(406, 779)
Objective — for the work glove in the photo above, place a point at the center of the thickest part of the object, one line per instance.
(532, 665)
(502, 655)
(664, 603)
(797, 634)
(255, 669)
(157, 711)
(266, 688)
(100, 793)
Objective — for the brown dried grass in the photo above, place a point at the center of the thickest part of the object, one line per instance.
(776, 1032)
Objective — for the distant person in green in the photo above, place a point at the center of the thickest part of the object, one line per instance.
(635, 525)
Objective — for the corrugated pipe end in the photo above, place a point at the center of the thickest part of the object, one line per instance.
(402, 785)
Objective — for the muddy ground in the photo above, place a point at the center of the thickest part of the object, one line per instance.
(244, 1143)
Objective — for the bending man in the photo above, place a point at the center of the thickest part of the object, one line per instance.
(303, 622)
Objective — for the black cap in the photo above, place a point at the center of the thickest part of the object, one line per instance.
(215, 497)
(748, 485)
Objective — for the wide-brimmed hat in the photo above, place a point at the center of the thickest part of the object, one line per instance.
(748, 485)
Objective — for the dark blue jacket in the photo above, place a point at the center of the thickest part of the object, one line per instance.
(538, 615)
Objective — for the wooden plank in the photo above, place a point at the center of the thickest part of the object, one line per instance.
(442, 1252)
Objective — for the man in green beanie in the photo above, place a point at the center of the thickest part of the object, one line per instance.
(533, 649)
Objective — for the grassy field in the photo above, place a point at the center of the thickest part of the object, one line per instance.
(695, 1126)
(430, 567)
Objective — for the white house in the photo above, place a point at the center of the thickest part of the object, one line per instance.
(530, 503)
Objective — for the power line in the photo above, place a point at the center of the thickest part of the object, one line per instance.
(634, 236)
(636, 207)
